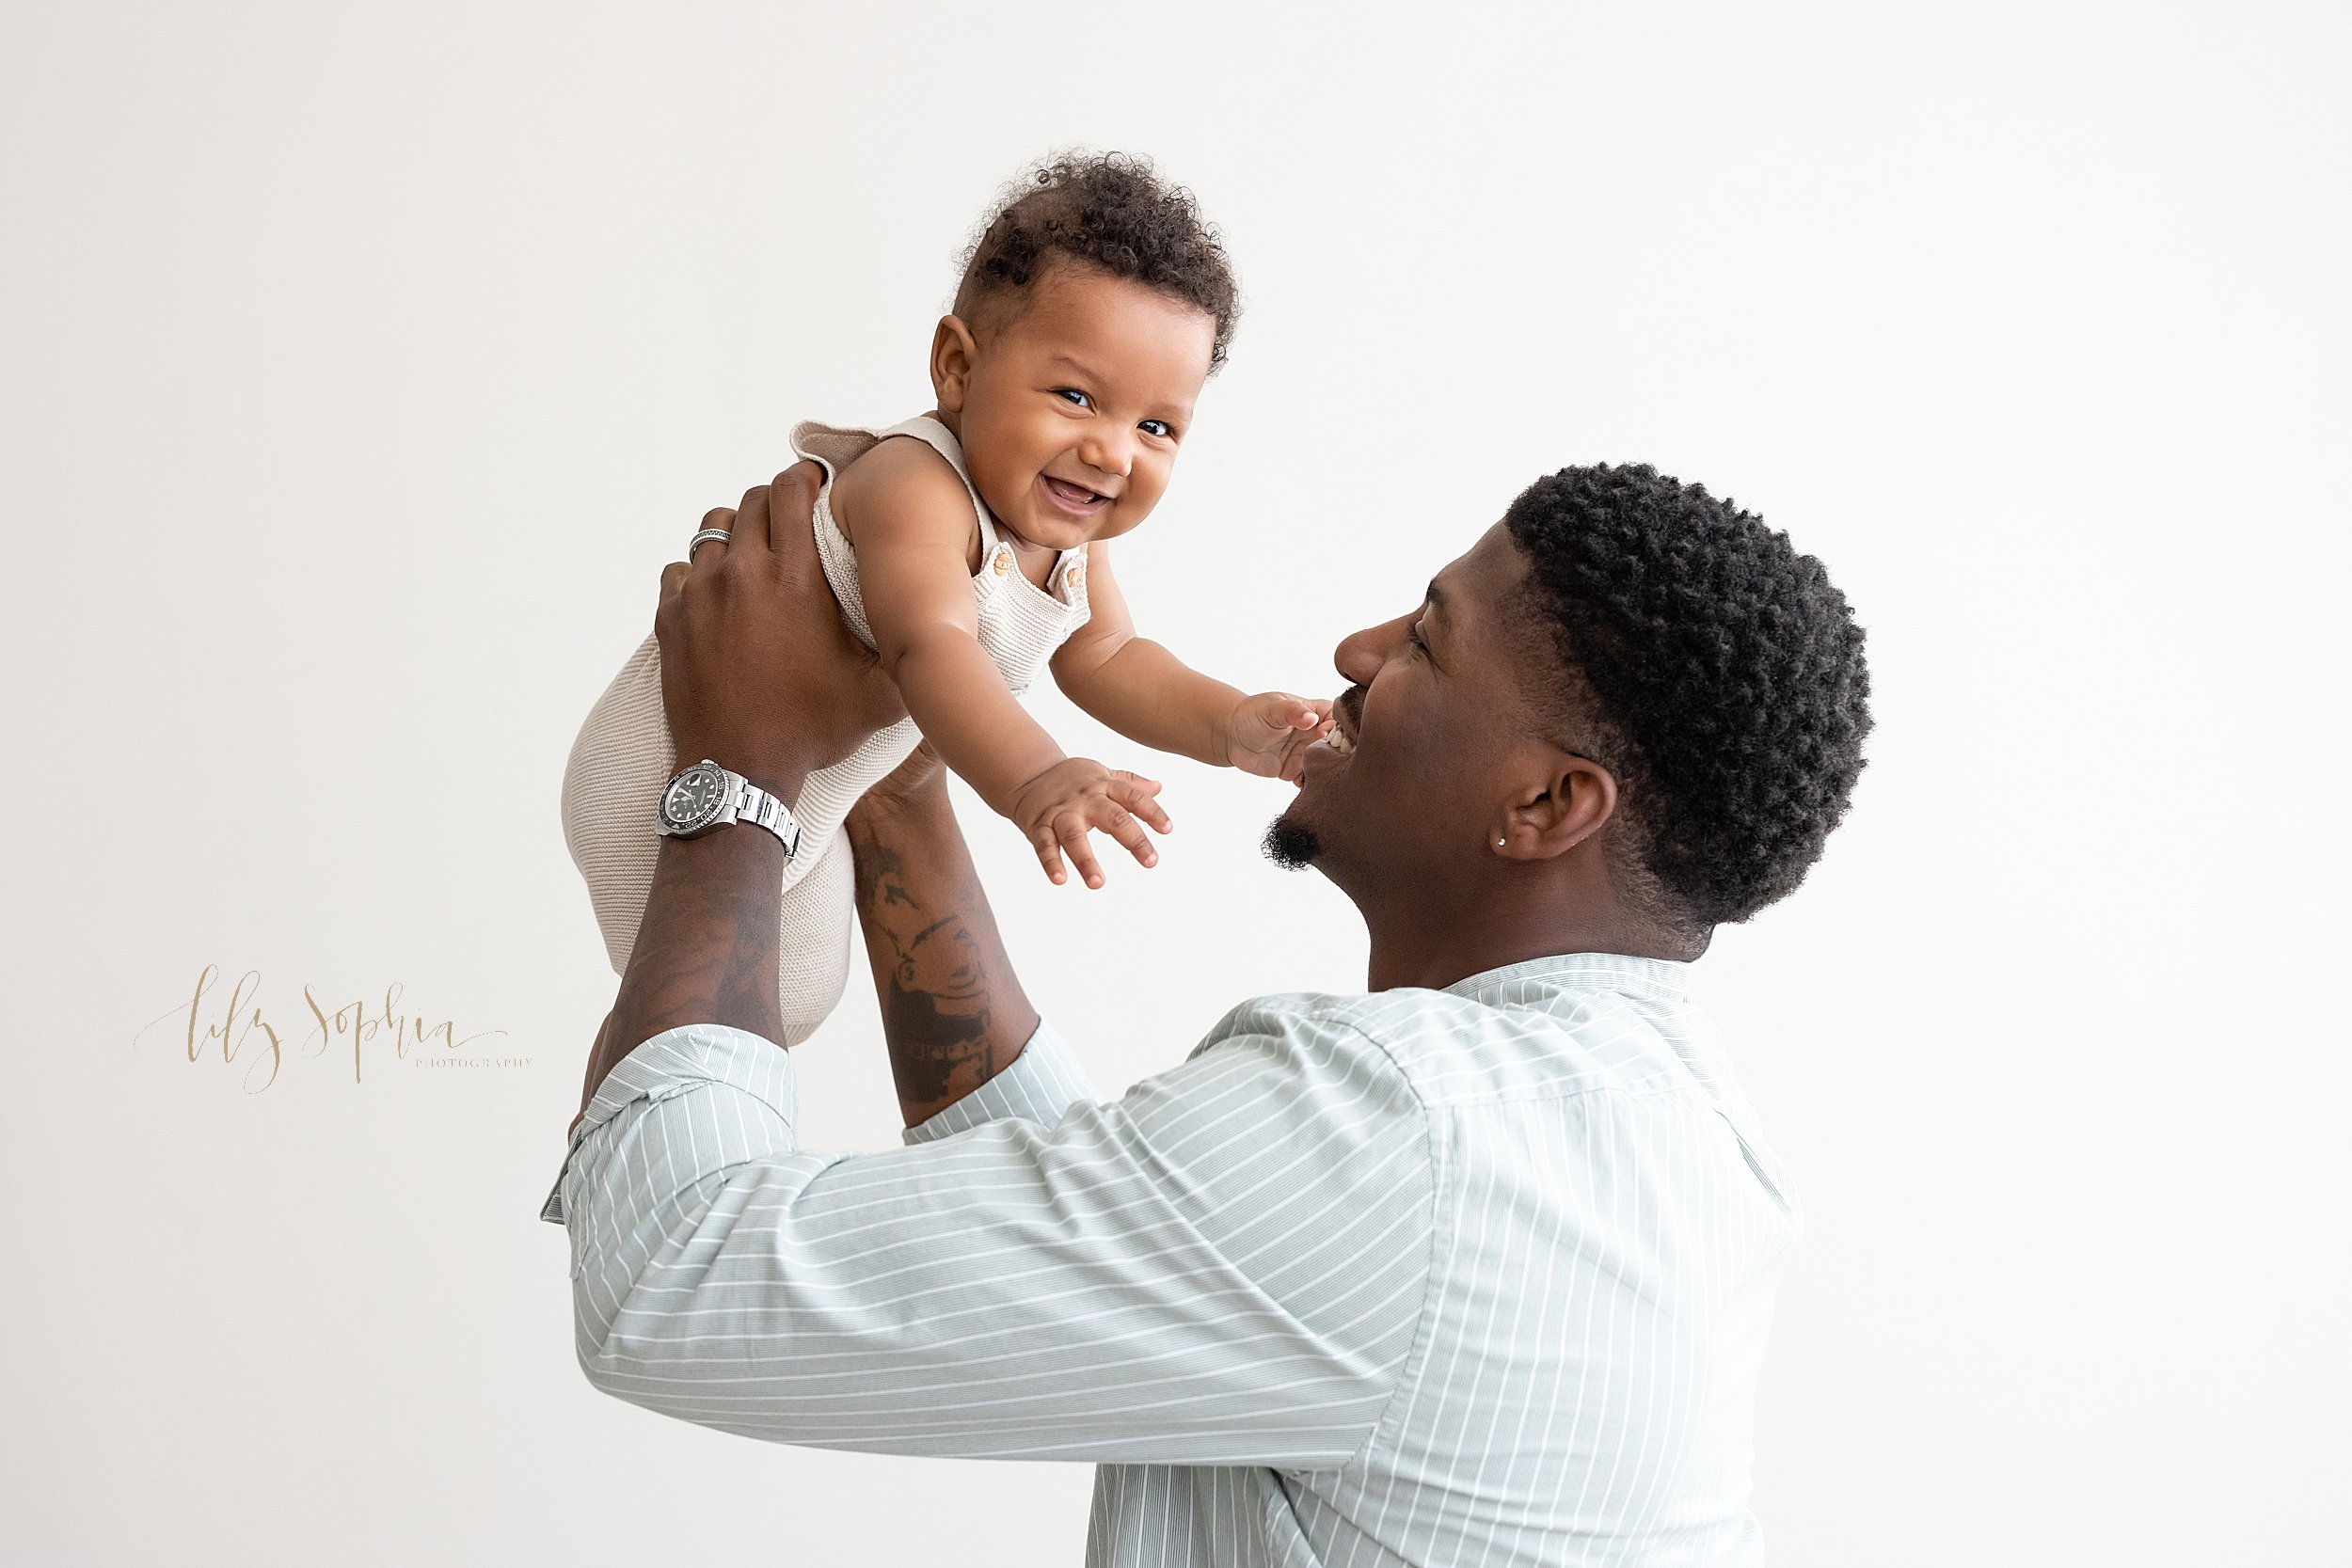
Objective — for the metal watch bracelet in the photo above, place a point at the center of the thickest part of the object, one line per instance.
(703, 797)
(755, 804)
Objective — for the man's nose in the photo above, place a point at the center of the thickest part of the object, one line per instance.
(1362, 654)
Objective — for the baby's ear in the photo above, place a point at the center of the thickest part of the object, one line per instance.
(953, 352)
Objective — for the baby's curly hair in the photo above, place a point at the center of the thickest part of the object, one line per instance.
(1111, 211)
(1721, 668)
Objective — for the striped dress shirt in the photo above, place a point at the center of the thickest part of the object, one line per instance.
(1479, 1276)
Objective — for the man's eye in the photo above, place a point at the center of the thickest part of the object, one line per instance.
(1074, 395)
(1412, 635)
(1157, 427)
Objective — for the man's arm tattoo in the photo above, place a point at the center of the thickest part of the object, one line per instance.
(952, 1012)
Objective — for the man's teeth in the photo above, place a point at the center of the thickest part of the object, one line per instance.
(1339, 742)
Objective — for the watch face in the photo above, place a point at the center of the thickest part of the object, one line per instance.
(695, 797)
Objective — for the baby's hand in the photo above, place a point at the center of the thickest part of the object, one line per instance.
(1268, 733)
(1059, 805)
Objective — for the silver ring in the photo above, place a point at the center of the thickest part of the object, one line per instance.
(702, 537)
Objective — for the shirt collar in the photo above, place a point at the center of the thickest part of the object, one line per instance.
(1663, 978)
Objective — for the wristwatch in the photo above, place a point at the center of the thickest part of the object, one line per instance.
(706, 798)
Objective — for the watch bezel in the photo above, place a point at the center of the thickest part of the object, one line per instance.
(709, 816)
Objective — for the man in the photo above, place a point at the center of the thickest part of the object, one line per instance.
(1474, 1267)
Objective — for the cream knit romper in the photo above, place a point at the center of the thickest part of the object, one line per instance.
(623, 757)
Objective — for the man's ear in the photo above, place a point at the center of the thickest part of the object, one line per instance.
(1574, 798)
(953, 351)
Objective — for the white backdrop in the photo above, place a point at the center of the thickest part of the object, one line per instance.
(359, 367)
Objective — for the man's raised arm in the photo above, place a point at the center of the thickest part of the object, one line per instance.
(953, 1011)
(759, 675)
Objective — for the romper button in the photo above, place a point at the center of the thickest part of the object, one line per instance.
(1077, 578)
(1002, 564)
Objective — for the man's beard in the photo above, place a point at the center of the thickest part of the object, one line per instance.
(1292, 846)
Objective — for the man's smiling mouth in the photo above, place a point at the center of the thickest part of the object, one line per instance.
(1347, 716)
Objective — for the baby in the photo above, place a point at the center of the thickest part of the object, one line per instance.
(970, 548)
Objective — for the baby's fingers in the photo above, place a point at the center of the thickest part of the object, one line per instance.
(1048, 849)
(1138, 795)
(1280, 710)
(1122, 824)
(1070, 829)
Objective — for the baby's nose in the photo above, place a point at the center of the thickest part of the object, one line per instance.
(1107, 454)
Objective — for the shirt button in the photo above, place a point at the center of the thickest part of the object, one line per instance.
(1077, 577)
(1002, 564)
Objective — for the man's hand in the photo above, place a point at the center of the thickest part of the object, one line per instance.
(1268, 733)
(1058, 807)
(758, 671)
(759, 675)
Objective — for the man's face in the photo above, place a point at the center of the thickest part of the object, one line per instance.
(1415, 776)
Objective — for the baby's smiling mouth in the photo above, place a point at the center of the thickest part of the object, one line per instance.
(1078, 498)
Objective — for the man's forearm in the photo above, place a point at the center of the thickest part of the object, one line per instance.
(952, 1010)
(705, 951)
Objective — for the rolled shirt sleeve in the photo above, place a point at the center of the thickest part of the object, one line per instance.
(1225, 1266)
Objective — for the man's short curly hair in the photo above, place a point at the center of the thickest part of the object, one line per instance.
(1110, 210)
(1719, 666)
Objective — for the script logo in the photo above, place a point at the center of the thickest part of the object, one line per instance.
(235, 1026)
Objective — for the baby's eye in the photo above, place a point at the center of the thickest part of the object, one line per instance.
(1157, 427)
(1074, 395)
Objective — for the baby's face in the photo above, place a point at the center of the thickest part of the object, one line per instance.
(1072, 412)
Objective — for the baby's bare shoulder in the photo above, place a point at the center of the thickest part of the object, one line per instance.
(904, 487)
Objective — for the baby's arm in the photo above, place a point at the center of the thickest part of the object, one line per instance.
(1148, 695)
(911, 524)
